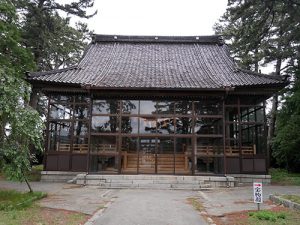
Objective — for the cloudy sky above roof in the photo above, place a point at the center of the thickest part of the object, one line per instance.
(156, 17)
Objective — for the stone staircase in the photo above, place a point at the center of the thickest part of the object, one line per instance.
(155, 181)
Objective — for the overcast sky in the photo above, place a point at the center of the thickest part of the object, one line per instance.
(156, 17)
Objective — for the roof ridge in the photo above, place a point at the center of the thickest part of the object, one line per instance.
(43, 73)
(275, 77)
(208, 39)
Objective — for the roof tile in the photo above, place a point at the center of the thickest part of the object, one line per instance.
(145, 62)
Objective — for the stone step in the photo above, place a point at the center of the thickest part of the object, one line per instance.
(150, 186)
(152, 181)
(155, 181)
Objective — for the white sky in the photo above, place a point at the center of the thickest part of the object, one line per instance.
(156, 17)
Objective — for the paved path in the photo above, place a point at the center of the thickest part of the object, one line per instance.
(227, 200)
(151, 207)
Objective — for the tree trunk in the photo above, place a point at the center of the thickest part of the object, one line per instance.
(256, 66)
(2, 129)
(28, 185)
(273, 113)
(33, 102)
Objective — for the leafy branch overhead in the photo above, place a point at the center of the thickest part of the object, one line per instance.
(34, 35)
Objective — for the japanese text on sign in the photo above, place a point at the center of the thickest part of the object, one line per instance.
(257, 193)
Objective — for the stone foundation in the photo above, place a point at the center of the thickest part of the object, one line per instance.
(248, 179)
(155, 181)
(57, 176)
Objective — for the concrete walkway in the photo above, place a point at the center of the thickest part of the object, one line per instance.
(218, 202)
(151, 207)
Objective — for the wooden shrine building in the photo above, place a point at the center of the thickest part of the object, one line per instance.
(156, 105)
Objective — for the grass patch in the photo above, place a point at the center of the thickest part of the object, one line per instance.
(13, 200)
(195, 203)
(293, 198)
(17, 208)
(41, 216)
(281, 176)
(268, 217)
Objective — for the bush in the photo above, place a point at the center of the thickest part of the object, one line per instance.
(283, 177)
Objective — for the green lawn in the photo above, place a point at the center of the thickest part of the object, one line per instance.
(282, 177)
(17, 208)
(13, 200)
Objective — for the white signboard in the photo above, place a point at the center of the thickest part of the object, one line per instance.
(257, 192)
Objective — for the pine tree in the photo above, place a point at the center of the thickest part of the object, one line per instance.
(49, 35)
(287, 141)
(262, 32)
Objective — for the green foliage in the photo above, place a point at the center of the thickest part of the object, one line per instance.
(283, 177)
(268, 215)
(35, 173)
(51, 38)
(32, 33)
(20, 126)
(12, 55)
(286, 144)
(261, 32)
(13, 200)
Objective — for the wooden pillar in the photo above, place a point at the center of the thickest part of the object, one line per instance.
(194, 140)
(119, 139)
(240, 134)
(224, 137)
(72, 129)
(89, 132)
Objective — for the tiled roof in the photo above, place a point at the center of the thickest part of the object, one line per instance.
(156, 62)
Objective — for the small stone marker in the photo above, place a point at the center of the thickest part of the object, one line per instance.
(257, 194)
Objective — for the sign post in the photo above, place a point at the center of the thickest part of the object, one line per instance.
(257, 194)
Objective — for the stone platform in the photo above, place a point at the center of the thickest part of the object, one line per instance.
(155, 181)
